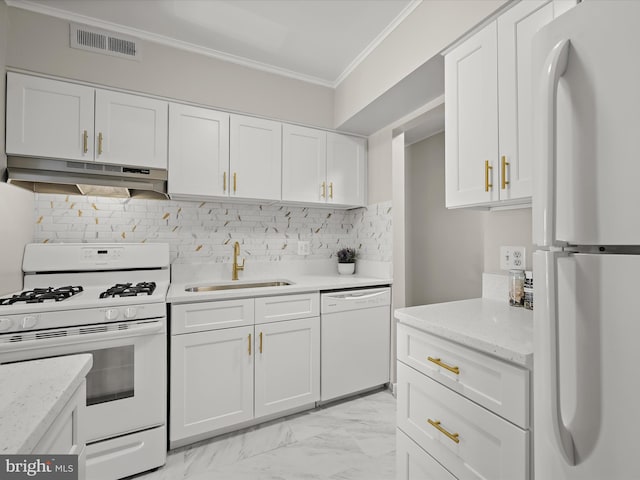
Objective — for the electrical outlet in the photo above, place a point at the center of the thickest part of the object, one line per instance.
(304, 248)
(512, 258)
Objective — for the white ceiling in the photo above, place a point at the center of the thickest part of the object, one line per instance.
(319, 41)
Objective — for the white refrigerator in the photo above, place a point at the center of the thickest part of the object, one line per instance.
(586, 228)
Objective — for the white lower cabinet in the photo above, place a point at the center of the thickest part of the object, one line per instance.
(226, 378)
(466, 411)
(211, 381)
(67, 434)
(413, 463)
(287, 365)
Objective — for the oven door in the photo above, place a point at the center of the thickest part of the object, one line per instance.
(126, 387)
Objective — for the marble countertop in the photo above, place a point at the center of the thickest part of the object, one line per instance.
(299, 284)
(33, 394)
(490, 326)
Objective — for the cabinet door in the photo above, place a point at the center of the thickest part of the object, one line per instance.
(304, 164)
(413, 463)
(255, 158)
(346, 170)
(287, 367)
(211, 381)
(516, 28)
(198, 152)
(47, 118)
(471, 120)
(131, 130)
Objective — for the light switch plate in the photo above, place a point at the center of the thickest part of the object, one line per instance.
(512, 258)
(304, 248)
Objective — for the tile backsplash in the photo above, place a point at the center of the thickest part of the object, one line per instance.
(205, 231)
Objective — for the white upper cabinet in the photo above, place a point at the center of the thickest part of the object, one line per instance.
(130, 130)
(255, 158)
(198, 152)
(346, 170)
(488, 106)
(471, 119)
(304, 164)
(516, 28)
(47, 118)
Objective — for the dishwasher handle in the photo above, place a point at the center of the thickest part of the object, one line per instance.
(354, 299)
(357, 296)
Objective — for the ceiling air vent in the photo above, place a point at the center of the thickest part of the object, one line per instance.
(96, 40)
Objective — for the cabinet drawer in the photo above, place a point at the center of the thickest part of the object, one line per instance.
(198, 317)
(499, 386)
(487, 447)
(413, 463)
(287, 307)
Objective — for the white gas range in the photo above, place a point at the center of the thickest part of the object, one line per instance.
(107, 300)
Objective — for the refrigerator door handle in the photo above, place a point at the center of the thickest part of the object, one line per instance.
(560, 431)
(554, 68)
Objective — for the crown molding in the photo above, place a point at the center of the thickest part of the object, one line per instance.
(377, 41)
(209, 52)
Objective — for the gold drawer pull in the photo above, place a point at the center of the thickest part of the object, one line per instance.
(235, 182)
(440, 363)
(324, 190)
(505, 182)
(452, 436)
(331, 190)
(249, 344)
(260, 342)
(487, 167)
(85, 140)
(100, 143)
(224, 182)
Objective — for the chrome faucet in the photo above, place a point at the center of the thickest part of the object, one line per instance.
(236, 267)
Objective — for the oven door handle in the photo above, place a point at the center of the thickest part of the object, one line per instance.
(146, 328)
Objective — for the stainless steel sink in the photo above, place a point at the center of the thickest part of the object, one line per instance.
(233, 286)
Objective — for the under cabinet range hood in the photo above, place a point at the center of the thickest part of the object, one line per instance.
(44, 175)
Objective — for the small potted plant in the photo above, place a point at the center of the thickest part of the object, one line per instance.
(347, 261)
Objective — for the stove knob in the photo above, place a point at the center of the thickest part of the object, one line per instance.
(29, 321)
(5, 324)
(111, 314)
(130, 312)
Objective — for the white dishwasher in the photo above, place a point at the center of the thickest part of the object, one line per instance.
(355, 332)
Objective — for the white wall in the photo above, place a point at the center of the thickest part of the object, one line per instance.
(40, 43)
(379, 167)
(502, 228)
(430, 28)
(444, 248)
(16, 205)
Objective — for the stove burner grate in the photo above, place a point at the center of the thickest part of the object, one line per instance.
(129, 290)
(40, 295)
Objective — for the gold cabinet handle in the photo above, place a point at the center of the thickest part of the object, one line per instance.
(235, 182)
(100, 143)
(440, 363)
(224, 182)
(324, 190)
(453, 436)
(505, 182)
(249, 344)
(260, 342)
(331, 190)
(487, 167)
(85, 142)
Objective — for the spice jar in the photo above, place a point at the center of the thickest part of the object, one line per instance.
(528, 290)
(516, 288)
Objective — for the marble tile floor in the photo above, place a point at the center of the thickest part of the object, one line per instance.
(349, 440)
